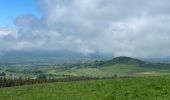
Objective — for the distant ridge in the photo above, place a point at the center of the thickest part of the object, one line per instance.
(123, 60)
(49, 57)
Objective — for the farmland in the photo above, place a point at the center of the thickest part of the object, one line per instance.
(120, 66)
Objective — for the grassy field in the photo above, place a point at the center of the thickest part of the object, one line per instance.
(111, 70)
(148, 88)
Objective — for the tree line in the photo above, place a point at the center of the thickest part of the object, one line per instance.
(4, 82)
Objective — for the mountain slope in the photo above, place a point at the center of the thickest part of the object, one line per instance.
(135, 62)
(123, 60)
(122, 66)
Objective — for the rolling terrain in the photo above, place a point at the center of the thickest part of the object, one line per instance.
(119, 66)
(142, 81)
(122, 66)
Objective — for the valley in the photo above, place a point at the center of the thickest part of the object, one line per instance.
(120, 66)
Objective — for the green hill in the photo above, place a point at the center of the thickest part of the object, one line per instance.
(122, 66)
(136, 62)
(124, 60)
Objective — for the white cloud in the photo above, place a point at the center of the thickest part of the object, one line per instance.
(138, 28)
(6, 31)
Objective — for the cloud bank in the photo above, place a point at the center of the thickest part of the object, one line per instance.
(136, 28)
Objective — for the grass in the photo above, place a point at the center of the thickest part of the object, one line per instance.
(111, 70)
(140, 88)
(91, 72)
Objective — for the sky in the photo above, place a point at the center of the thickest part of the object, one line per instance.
(10, 9)
(135, 28)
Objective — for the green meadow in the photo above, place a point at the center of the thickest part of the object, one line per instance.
(139, 88)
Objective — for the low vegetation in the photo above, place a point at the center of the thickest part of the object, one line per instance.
(140, 88)
(18, 82)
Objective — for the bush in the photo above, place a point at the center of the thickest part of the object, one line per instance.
(2, 74)
(42, 77)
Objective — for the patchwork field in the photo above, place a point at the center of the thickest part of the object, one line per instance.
(111, 70)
